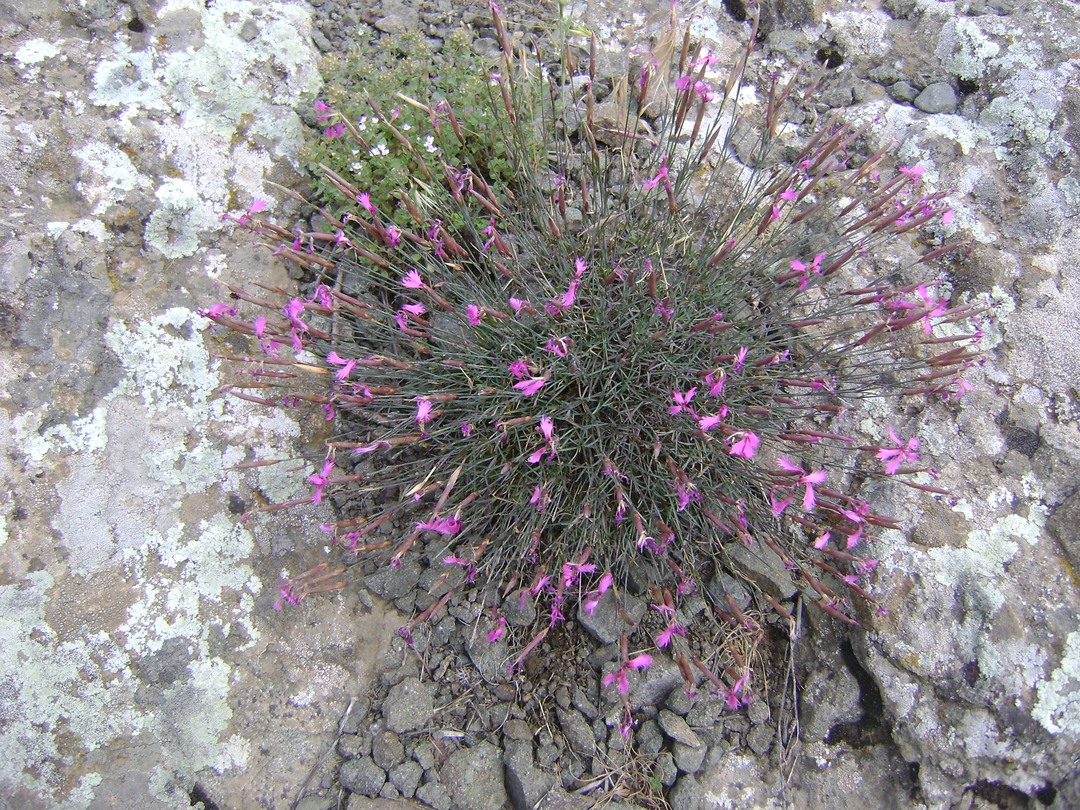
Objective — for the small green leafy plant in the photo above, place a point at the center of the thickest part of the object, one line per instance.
(376, 134)
(623, 362)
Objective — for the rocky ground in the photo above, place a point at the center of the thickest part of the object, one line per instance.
(141, 661)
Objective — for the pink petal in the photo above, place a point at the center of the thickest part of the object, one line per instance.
(642, 661)
(530, 386)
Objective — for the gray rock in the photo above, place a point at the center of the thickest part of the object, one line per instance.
(830, 696)
(723, 584)
(689, 758)
(760, 739)
(351, 746)
(393, 583)
(577, 731)
(474, 777)
(397, 18)
(387, 750)
(490, 659)
(903, 91)
(759, 712)
(525, 783)
(518, 612)
(560, 799)
(406, 778)
(362, 776)
(605, 624)
(687, 794)
(648, 737)
(434, 795)
(1062, 527)
(666, 771)
(583, 704)
(836, 97)
(677, 730)
(652, 687)
(425, 756)
(680, 702)
(388, 791)
(358, 713)
(763, 568)
(939, 97)
(516, 729)
(409, 705)
(706, 712)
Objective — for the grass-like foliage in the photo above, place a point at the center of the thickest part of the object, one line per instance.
(626, 359)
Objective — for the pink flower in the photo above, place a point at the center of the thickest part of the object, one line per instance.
(947, 217)
(642, 661)
(518, 370)
(914, 174)
(445, 526)
(347, 366)
(673, 629)
(567, 299)
(547, 428)
(895, 456)
(557, 346)
(365, 202)
(661, 176)
(412, 280)
(807, 479)
(530, 386)
(746, 446)
(715, 383)
(740, 359)
(537, 455)
(778, 507)
(497, 633)
(423, 412)
(707, 423)
(335, 131)
(592, 598)
(684, 495)
(579, 268)
(321, 480)
(664, 309)
(619, 679)
(466, 430)
(539, 499)
(293, 310)
(517, 305)
(392, 237)
(804, 271)
(474, 314)
(682, 402)
(218, 311)
(789, 194)
(572, 570)
(257, 206)
(822, 540)
(259, 326)
(936, 307)
(962, 387)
